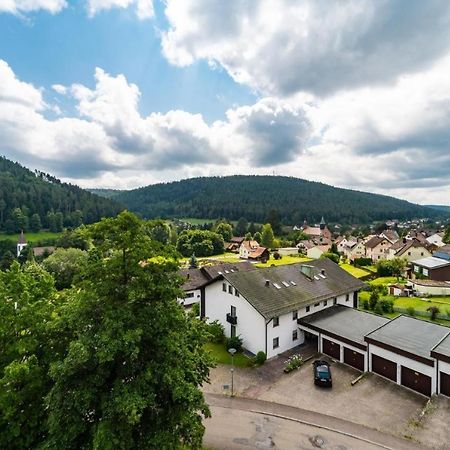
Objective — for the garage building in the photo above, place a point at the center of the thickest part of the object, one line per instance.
(340, 333)
(442, 355)
(401, 349)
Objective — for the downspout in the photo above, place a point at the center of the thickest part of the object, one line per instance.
(267, 323)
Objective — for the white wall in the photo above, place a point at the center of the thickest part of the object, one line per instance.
(250, 324)
(403, 361)
(432, 290)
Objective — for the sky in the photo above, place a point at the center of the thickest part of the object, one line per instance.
(124, 93)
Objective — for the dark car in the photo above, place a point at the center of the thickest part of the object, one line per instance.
(322, 373)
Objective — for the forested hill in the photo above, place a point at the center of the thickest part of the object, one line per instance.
(29, 199)
(253, 197)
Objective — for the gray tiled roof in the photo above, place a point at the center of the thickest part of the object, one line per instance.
(346, 322)
(443, 348)
(411, 335)
(272, 301)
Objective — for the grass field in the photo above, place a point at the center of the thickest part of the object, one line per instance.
(283, 261)
(31, 237)
(355, 271)
(221, 355)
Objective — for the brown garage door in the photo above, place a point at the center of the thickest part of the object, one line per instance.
(384, 367)
(416, 380)
(354, 359)
(331, 349)
(445, 384)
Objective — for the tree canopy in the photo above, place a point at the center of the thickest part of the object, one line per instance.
(113, 362)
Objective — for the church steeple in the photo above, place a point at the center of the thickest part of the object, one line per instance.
(21, 243)
(323, 224)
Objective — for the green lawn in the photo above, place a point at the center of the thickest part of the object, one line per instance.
(291, 259)
(355, 271)
(224, 257)
(222, 356)
(31, 237)
(384, 281)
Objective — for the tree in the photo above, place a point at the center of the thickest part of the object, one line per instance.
(19, 219)
(35, 222)
(59, 219)
(446, 238)
(74, 239)
(241, 227)
(267, 236)
(132, 374)
(64, 264)
(333, 256)
(248, 237)
(434, 311)
(200, 242)
(193, 262)
(28, 347)
(225, 230)
(252, 229)
(7, 260)
(273, 217)
(257, 237)
(398, 266)
(373, 299)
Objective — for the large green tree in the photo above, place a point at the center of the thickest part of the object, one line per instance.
(130, 378)
(267, 237)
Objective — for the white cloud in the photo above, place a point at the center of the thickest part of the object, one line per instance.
(281, 47)
(144, 8)
(26, 6)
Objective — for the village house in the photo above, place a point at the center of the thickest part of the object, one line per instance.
(410, 250)
(316, 251)
(390, 235)
(431, 268)
(234, 244)
(436, 239)
(377, 248)
(253, 251)
(21, 243)
(353, 250)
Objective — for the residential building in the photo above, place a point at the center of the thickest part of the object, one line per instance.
(410, 250)
(377, 248)
(353, 250)
(317, 251)
(436, 239)
(263, 305)
(21, 243)
(317, 232)
(253, 251)
(431, 268)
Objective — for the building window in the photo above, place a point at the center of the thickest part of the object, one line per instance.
(230, 289)
(425, 272)
(347, 297)
(308, 308)
(233, 331)
(276, 343)
(316, 305)
(325, 303)
(189, 295)
(294, 335)
(416, 269)
(276, 321)
(233, 311)
(409, 253)
(421, 253)
(334, 301)
(224, 287)
(236, 293)
(294, 315)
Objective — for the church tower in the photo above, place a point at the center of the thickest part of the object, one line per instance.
(21, 243)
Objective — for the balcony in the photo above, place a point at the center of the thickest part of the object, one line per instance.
(231, 319)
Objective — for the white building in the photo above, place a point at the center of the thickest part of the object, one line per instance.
(263, 306)
(21, 243)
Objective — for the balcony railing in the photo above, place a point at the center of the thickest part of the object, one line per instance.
(231, 319)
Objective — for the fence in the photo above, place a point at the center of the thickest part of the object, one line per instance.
(421, 313)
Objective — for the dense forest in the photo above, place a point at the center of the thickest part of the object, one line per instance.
(34, 200)
(253, 197)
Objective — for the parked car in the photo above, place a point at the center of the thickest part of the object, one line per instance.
(322, 373)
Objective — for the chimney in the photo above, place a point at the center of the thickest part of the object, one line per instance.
(322, 271)
(188, 275)
(267, 283)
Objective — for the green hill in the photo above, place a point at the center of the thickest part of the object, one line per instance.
(28, 198)
(106, 193)
(253, 197)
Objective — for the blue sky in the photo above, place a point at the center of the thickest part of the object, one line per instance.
(124, 93)
(46, 49)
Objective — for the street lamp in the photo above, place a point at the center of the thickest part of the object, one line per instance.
(232, 351)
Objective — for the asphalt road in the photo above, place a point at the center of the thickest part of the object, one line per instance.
(243, 424)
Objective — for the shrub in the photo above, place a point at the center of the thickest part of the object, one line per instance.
(378, 309)
(260, 358)
(411, 311)
(276, 255)
(365, 304)
(216, 331)
(294, 362)
(373, 300)
(362, 262)
(234, 342)
(434, 311)
(387, 305)
(195, 310)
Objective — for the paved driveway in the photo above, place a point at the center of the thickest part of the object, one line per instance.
(373, 401)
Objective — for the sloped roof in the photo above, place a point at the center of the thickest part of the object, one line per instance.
(391, 235)
(443, 347)
(411, 335)
(343, 321)
(22, 239)
(195, 279)
(271, 301)
(373, 242)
